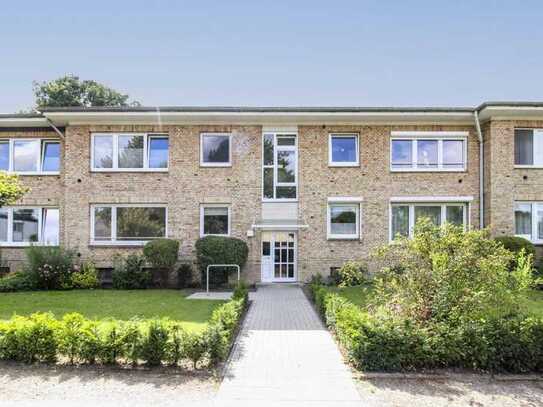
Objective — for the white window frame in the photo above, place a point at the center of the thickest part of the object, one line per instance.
(533, 207)
(332, 163)
(440, 137)
(39, 162)
(115, 159)
(276, 149)
(429, 202)
(40, 242)
(205, 164)
(528, 166)
(113, 241)
(202, 214)
(345, 202)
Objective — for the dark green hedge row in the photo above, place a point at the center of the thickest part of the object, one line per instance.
(42, 338)
(373, 344)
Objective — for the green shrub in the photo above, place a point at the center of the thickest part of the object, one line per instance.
(175, 347)
(50, 266)
(153, 343)
(18, 281)
(220, 250)
(195, 348)
(111, 342)
(515, 244)
(129, 273)
(86, 277)
(184, 275)
(351, 274)
(162, 255)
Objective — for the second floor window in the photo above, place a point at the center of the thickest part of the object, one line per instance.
(215, 150)
(280, 167)
(30, 156)
(529, 147)
(343, 150)
(129, 152)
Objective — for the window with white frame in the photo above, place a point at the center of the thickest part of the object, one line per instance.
(279, 166)
(343, 150)
(343, 219)
(214, 220)
(127, 224)
(215, 149)
(129, 152)
(428, 151)
(529, 221)
(30, 156)
(529, 147)
(404, 216)
(22, 226)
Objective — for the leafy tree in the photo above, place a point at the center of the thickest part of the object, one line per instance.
(10, 189)
(70, 91)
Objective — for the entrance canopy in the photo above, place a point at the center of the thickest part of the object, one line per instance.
(279, 224)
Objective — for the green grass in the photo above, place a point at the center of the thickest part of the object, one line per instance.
(533, 304)
(119, 304)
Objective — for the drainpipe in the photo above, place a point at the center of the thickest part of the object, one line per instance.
(481, 171)
(55, 128)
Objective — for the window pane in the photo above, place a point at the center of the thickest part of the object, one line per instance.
(524, 147)
(427, 153)
(268, 149)
(50, 226)
(286, 193)
(158, 152)
(286, 166)
(3, 225)
(540, 221)
(103, 152)
(431, 212)
(402, 153)
(102, 223)
(400, 221)
(286, 140)
(216, 221)
(343, 220)
(25, 225)
(344, 149)
(130, 151)
(4, 156)
(140, 223)
(523, 219)
(25, 155)
(455, 215)
(216, 148)
(51, 156)
(268, 183)
(453, 153)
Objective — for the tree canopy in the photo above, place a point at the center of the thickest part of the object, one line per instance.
(70, 91)
(10, 189)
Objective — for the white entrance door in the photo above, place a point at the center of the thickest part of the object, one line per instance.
(278, 257)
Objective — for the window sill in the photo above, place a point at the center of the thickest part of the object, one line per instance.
(529, 167)
(219, 165)
(428, 170)
(339, 237)
(279, 200)
(222, 235)
(118, 244)
(23, 244)
(109, 170)
(343, 165)
(34, 173)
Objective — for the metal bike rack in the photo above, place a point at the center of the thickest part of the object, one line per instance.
(220, 265)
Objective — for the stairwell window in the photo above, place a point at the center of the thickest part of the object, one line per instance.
(215, 150)
(214, 220)
(529, 148)
(428, 151)
(129, 152)
(343, 219)
(279, 167)
(23, 226)
(30, 156)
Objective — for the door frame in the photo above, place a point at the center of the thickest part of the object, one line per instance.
(272, 255)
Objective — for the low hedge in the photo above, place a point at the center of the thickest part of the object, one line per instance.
(75, 339)
(375, 344)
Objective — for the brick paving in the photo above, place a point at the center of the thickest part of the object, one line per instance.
(285, 357)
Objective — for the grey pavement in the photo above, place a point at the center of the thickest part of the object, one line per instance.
(285, 357)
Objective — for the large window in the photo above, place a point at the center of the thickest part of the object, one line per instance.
(529, 221)
(404, 216)
(22, 226)
(127, 224)
(30, 156)
(529, 147)
(428, 151)
(215, 150)
(129, 152)
(343, 220)
(280, 166)
(343, 150)
(214, 220)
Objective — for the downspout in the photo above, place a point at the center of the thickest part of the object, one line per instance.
(481, 171)
(55, 128)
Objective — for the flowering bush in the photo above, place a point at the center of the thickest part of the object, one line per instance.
(51, 266)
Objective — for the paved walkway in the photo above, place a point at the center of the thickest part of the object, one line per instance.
(285, 357)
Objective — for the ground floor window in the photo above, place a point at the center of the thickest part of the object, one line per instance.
(404, 216)
(529, 221)
(22, 226)
(214, 220)
(343, 220)
(127, 224)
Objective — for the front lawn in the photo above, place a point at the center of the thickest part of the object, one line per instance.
(119, 304)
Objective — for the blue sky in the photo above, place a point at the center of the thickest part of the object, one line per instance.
(288, 53)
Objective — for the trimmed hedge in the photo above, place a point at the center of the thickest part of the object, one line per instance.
(220, 250)
(375, 344)
(515, 244)
(42, 338)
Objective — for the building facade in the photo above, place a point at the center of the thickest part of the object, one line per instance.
(306, 188)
